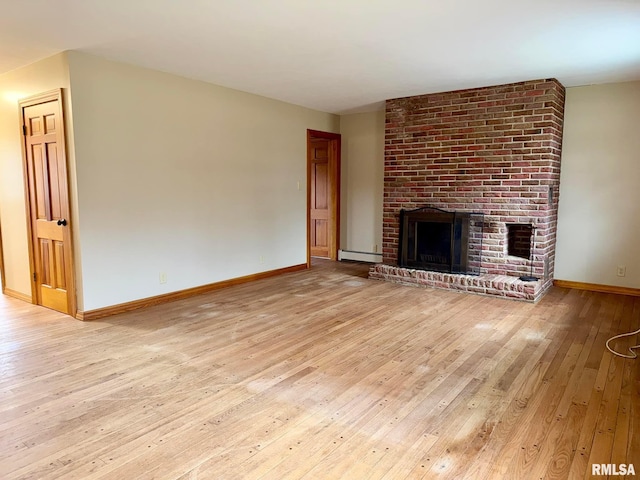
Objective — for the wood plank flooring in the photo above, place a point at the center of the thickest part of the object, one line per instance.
(321, 374)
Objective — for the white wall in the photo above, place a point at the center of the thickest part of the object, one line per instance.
(599, 211)
(183, 177)
(33, 79)
(362, 181)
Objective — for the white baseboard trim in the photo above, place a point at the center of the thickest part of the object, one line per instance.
(360, 256)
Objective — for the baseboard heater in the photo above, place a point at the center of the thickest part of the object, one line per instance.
(359, 256)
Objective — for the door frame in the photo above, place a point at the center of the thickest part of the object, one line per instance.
(334, 151)
(55, 95)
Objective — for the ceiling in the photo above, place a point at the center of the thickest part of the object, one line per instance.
(338, 56)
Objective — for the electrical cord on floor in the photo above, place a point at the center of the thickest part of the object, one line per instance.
(633, 354)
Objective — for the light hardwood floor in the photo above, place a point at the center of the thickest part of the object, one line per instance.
(321, 374)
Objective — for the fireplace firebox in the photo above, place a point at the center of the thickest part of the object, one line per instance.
(438, 240)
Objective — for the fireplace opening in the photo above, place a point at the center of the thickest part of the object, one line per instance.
(437, 240)
(432, 243)
(519, 240)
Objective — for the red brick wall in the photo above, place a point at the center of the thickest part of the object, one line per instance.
(494, 150)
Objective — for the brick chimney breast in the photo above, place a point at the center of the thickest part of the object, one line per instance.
(494, 150)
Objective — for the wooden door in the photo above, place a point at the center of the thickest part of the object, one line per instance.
(48, 202)
(320, 208)
(323, 152)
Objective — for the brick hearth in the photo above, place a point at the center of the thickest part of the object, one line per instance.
(494, 150)
(487, 284)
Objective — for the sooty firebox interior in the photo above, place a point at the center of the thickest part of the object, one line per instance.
(519, 239)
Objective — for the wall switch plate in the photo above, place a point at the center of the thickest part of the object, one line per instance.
(622, 271)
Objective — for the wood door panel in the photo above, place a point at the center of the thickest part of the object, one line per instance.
(321, 184)
(49, 124)
(54, 182)
(35, 125)
(59, 265)
(41, 182)
(53, 264)
(45, 262)
(321, 228)
(48, 200)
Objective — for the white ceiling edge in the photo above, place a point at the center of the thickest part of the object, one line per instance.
(338, 56)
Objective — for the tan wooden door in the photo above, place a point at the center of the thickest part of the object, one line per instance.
(320, 208)
(48, 201)
(323, 194)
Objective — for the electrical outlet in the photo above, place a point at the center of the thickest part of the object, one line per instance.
(622, 271)
(261, 259)
(163, 277)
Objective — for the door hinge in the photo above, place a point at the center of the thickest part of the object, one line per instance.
(34, 276)
(24, 130)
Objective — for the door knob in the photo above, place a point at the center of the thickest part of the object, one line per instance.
(62, 222)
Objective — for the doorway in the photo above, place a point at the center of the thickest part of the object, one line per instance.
(323, 195)
(47, 198)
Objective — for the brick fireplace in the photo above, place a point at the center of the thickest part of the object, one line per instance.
(494, 151)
